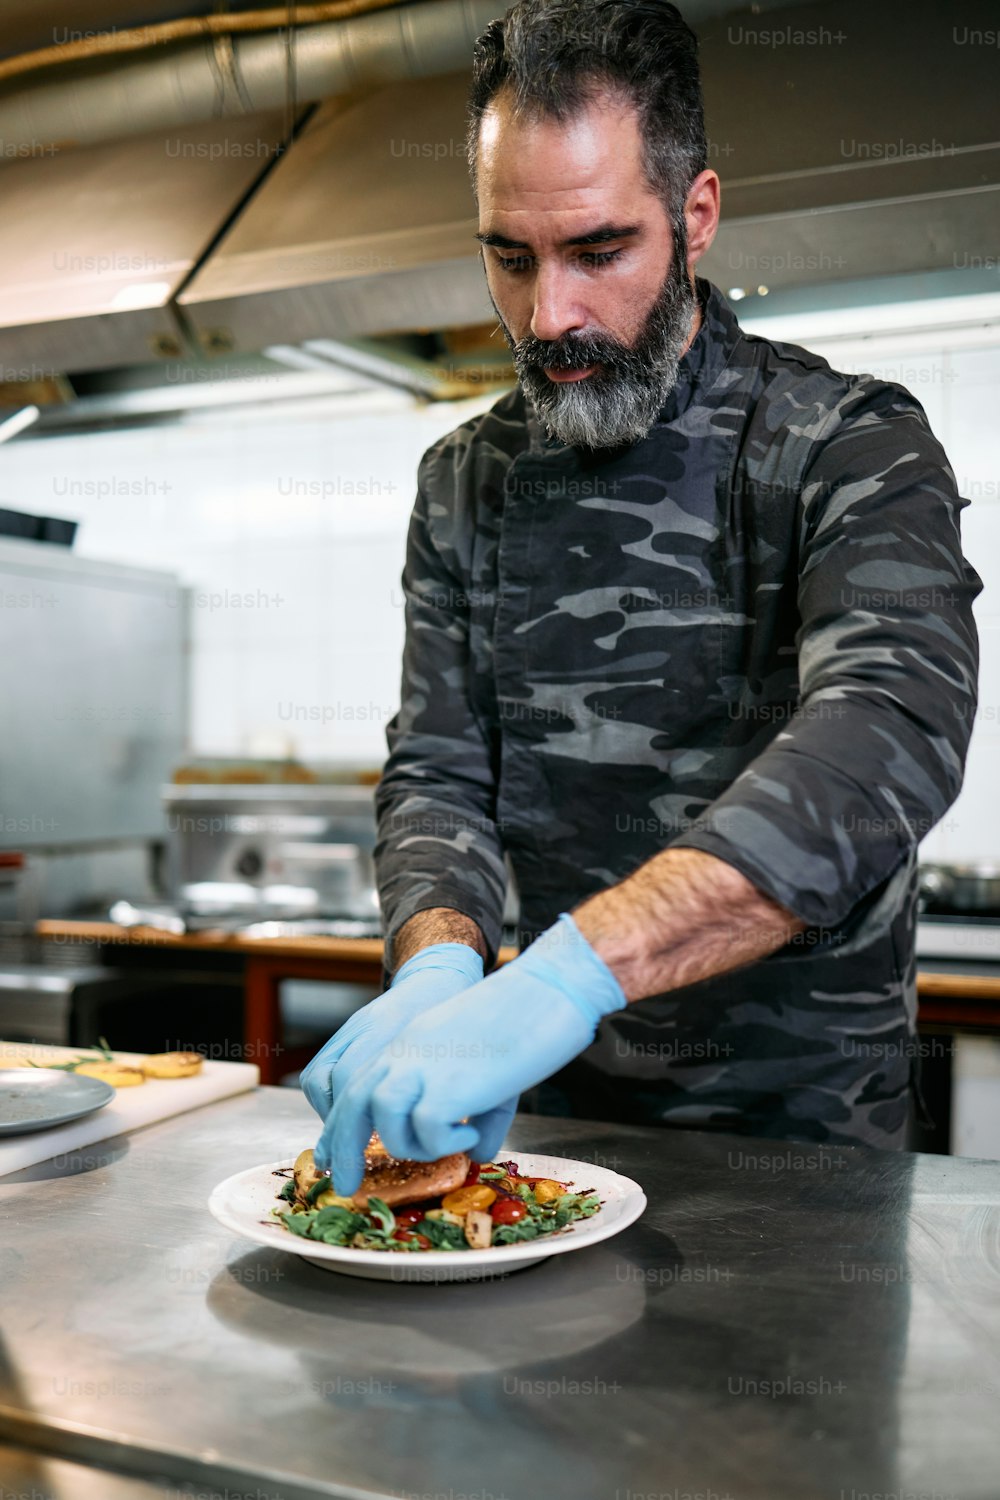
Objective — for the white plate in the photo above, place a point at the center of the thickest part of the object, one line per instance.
(242, 1202)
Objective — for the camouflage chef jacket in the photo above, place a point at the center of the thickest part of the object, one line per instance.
(749, 633)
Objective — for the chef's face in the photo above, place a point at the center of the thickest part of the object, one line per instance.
(594, 297)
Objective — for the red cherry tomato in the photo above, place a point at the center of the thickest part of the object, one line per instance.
(474, 1169)
(408, 1216)
(406, 1235)
(414, 1212)
(507, 1211)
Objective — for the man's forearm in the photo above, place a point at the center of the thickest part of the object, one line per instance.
(439, 924)
(681, 917)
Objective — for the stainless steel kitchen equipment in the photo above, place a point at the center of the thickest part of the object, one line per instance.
(785, 1321)
(249, 853)
(959, 912)
(90, 731)
(13, 885)
(72, 991)
(43, 1002)
(958, 889)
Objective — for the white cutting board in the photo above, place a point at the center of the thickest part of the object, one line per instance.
(156, 1099)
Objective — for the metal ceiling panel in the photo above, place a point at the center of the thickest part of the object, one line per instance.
(838, 161)
(854, 241)
(94, 243)
(366, 226)
(853, 140)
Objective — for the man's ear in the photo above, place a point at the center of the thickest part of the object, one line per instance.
(701, 214)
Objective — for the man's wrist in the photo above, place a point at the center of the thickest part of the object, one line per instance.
(455, 958)
(682, 917)
(438, 924)
(565, 958)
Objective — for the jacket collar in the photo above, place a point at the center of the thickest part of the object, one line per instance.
(710, 351)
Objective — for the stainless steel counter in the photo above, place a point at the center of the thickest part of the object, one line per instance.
(28, 1475)
(785, 1321)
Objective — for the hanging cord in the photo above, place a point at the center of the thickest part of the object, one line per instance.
(225, 67)
(290, 39)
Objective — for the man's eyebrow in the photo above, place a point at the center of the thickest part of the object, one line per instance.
(599, 236)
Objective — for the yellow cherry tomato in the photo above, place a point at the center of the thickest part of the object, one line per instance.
(547, 1191)
(465, 1199)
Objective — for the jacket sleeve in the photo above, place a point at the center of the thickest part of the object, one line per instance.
(888, 658)
(438, 843)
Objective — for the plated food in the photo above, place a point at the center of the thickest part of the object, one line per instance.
(245, 1204)
(406, 1207)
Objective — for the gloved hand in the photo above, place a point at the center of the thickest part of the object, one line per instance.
(471, 1056)
(430, 976)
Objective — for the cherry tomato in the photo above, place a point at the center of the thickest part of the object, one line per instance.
(546, 1190)
(465, 1198)
(407, 1216)
(507, 1211)
(474, 1170)
(406, 1235)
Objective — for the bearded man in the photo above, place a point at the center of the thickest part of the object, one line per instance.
(689, 644)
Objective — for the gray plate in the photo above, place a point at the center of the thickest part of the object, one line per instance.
(35, 1098)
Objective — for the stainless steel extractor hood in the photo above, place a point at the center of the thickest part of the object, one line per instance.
(367, 226)
(835, 167)
(852, 141)
(95, 243)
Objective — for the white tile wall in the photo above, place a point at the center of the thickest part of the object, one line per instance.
(290, 532)
(297, 629)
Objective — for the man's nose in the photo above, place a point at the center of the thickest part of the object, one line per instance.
(555, 309)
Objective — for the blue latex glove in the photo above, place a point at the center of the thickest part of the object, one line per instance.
(430, 976)
(471, 1056)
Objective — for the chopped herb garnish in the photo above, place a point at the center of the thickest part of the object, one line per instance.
(322, 1186)
(382, 1214)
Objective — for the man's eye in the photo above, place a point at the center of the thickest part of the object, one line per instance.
(595, 258)
(591, 259)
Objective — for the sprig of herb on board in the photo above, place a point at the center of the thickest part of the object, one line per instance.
(70, 1067)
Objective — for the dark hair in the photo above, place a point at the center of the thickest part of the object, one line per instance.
(554, 55)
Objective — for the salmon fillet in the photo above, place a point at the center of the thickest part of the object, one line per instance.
(401, 1182)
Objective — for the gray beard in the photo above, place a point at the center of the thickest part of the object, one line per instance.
(620, 402)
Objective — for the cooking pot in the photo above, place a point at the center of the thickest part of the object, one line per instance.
(971, 888)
